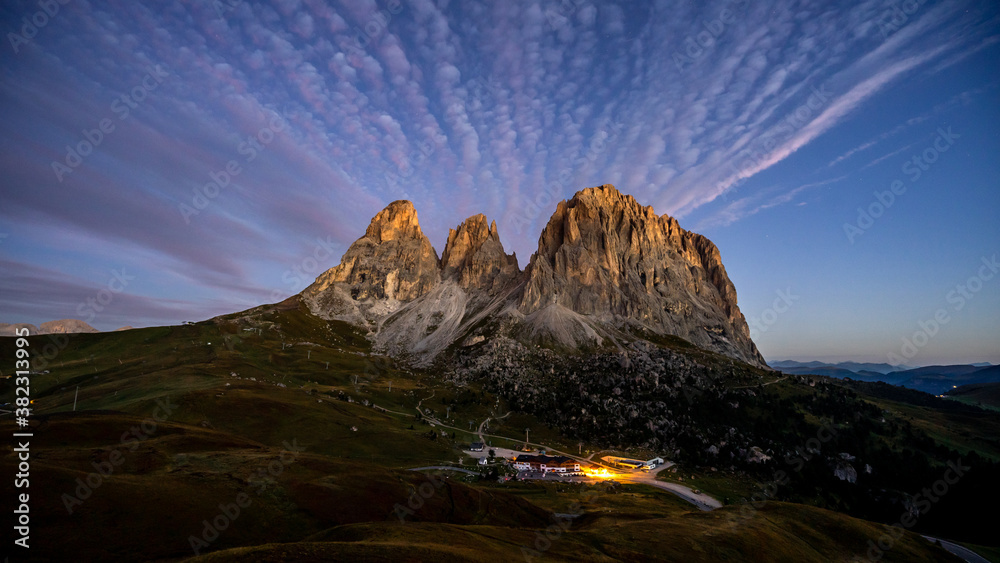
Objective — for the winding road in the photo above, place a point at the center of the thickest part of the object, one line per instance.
(444, 468)
(964, 553)
(702, 501)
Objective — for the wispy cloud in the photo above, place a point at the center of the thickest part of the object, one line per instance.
(460, 107)
(851, 153)
(753, 204)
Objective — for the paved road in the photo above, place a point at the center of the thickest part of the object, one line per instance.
(444, 468)
(487, 421)
(763, 384)
(701, 500)
(963, 552)
(383, 409)
(499, 452)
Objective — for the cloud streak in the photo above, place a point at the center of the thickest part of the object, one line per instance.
(461, 107)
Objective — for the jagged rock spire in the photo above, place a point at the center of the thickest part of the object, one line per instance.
(474, 256)
(606, 266)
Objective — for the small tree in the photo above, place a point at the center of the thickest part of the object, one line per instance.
(493, 455)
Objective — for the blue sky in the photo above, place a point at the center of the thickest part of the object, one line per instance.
(170, 161)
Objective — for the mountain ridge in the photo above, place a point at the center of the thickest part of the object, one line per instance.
(929, 379)
(61, 326)
(606, 269)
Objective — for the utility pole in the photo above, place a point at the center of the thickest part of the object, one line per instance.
(390, 387)
(75, 396)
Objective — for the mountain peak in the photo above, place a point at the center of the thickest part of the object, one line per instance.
(606, 196)
(605, 256)
(392, 263)
(397, 221)
(475, 257)
(606, 268)
(66, 326)
(464, 240)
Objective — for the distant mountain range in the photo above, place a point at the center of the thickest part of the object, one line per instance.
(64, 326)
(930, 379)
(849, 366)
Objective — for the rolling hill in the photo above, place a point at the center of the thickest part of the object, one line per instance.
(250, 389)
(334, 424)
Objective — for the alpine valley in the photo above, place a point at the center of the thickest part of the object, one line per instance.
(342, 423)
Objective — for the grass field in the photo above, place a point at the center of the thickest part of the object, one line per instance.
(275, 407)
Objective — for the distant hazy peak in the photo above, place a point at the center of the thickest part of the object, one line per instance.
(63, 326)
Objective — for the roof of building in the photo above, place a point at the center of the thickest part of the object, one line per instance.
(625, 460)
(546, 459)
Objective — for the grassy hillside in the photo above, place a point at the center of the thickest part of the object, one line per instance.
(781, 532)
(983, 395)
(313, 433)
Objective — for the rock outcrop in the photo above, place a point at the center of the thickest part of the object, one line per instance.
(475, 258)
(605, 256)
(8, 329)
(606, 269)
(66, 326)
(393, 263)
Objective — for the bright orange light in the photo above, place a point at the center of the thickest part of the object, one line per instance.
(601, 473)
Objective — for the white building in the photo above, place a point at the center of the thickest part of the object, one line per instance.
(547, 464)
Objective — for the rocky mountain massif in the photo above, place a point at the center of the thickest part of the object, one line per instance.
(64, 326)
(607, 271)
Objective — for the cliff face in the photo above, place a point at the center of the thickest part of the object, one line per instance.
(392, 263)
(605, 256)
(606, 268)
(475, 258)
